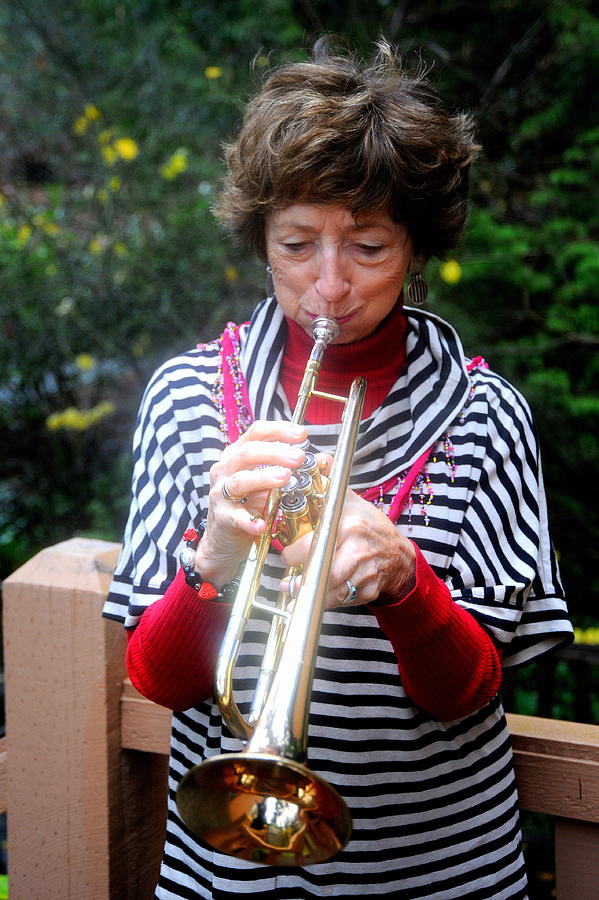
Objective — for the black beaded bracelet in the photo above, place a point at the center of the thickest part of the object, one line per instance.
(193, 578)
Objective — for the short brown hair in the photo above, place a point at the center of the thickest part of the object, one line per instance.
(368, 137)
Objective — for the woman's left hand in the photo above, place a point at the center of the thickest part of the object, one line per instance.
(370, 553)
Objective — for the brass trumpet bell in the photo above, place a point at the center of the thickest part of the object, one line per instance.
(264, 809)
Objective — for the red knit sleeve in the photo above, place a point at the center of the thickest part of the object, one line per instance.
(448, 663)
(171, 654)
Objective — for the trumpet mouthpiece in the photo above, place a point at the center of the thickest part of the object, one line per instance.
(325, 329)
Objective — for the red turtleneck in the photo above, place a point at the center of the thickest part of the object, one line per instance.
(448, 663)
(380, 358)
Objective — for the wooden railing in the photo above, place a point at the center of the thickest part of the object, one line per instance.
(83, 766)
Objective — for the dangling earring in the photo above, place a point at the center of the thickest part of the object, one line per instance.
(417, 288)
(270, 285)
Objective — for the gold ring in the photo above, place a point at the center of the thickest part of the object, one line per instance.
(229, 497)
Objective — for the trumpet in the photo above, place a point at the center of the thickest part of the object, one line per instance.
(264, 804)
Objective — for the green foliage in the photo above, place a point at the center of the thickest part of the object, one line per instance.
(108, 249)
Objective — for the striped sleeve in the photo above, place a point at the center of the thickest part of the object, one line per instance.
(166, 488)
(504, 569)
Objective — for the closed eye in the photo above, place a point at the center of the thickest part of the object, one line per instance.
(296, 246)
(370, 248)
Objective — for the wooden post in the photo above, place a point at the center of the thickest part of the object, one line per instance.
(68, 779)
(576, 859)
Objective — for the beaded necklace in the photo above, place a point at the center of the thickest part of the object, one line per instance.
(230, 390)
(412, 486)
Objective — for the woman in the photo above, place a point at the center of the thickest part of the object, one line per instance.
(346, 180)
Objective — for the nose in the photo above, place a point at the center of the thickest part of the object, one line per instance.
(331, 283)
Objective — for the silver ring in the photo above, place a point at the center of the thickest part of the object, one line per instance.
(352, 593)
(229, 497)
(294, 586)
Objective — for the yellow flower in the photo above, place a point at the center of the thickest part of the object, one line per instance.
(119, 248)
(98, 244)
(85, 362)
(586, 635)
(126, 148)
(72, 418)
(141, 345)
(80, 125)
(115, 183)
(41, 221)
(96, 413)
(105, 136)
(231, 274)
(92, 113)
(212, 72)
(262, 61)
(109, 154)
(75, 419)
(23, 235)
(451, 271)
(102, 196)
(176, 164)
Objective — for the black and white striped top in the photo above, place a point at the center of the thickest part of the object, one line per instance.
(433, 804)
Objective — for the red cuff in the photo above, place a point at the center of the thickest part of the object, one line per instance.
(171, 654)
(448, 663)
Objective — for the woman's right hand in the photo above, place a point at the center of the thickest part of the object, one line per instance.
(259, 461)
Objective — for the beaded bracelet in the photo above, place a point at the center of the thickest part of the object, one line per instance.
(204, 589)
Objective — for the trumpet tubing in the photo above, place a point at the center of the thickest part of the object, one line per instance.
(264, 804)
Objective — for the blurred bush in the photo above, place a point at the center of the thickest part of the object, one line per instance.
(112, 118)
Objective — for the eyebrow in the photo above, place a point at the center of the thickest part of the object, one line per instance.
(304, 226)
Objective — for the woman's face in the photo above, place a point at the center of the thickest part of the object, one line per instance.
(325, 263)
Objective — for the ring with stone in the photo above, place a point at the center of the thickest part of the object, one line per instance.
(352, 593)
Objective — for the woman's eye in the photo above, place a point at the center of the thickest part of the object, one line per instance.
(295, 246)
(369, 249)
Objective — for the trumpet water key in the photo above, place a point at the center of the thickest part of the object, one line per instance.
(264, 804)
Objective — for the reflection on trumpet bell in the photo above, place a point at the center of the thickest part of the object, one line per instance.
(264, 809)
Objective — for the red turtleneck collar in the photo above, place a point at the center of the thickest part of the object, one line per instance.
(380, 358)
